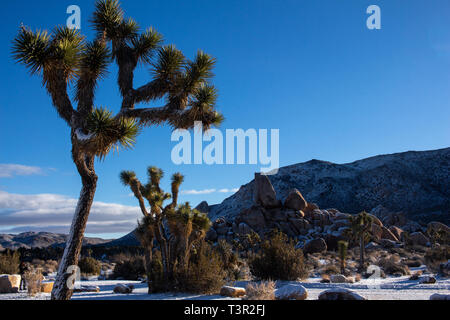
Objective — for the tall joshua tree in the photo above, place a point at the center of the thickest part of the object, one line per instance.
(176, 228)
(360, 226)
(65, 59)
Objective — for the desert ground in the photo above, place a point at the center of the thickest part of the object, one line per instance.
(390, 288)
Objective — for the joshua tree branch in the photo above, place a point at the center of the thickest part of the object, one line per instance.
(57, 88)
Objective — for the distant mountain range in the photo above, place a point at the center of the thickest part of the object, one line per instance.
(416, 183)
(40, 240)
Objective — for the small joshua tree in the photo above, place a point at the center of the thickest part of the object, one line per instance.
(66, 60)
(176, 228)
(360, 226)
(342, 247)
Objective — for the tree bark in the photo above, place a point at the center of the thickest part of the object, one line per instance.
(361, 253)
(63, 287)
(148, 266)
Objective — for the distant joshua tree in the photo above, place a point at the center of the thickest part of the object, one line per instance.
(176, 228)
(360, 231)
(342, 248)
(64, 58)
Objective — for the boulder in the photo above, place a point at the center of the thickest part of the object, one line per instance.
(376, 231)
(332, 240)
(387, 244)
(203, 207)
(372, 245)
(123, 289)
(295, 200)
(339, 294)
(47, 287)
(89, 288)
(418, 238)
(299, 224)
(286, 228)
(276, 214)
(211, 235)
(376, 220)
(233, 292)
(388, 234)
(396, 231)
(253, 217)
(416, 275)
(435, 226)
(265, 193)
(9, 283)
(222, 230)
(291, 292)
(444, 268)
(440, 297)
(427, 280)
(339, 278)
(395, 219)
(244, 228)
(315, 246)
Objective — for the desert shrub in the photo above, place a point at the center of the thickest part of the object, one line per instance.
(33, 279)
(264, 290)
(157, 281)
(435, 256)
(130, 268)
(9, 262)
(89, 266)
(205, 273)
(278, 259)
(230, 259)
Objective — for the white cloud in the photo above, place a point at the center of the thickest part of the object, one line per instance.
(225, 190)
(204, 191)
(208, 191)
(10, 170)
(55, 212)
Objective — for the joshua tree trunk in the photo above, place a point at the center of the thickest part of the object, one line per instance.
(62, 290)
(361, 253)
(148, 266)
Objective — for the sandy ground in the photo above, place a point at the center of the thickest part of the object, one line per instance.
(380, 289)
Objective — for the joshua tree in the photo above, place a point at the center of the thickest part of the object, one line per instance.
(65, 59)
(342, 247)
(360, 229)
(176, 228)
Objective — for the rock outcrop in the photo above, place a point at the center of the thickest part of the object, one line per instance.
(414, 183)
(9, 283)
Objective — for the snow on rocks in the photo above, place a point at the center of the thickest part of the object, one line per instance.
(87, 289)
(123, 289)
(9, 283)
(233, 292)
(438, 296)
(291, 292)
(427, 280)
(340, 294)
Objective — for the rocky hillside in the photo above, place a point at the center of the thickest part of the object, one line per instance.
(415, 183)
(39, 240)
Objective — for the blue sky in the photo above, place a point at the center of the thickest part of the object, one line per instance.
(336, 90)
